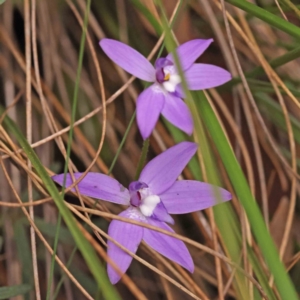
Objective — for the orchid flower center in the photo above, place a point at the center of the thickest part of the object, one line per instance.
(141, 197)
(166, 75)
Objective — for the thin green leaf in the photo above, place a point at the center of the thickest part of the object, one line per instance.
(268, 17)
(84, 246)
(238, 180)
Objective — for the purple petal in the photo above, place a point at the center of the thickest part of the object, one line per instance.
(129, 236)
(177, 112)
(189, 52)
(129, 59)
(203, 76)
(161, 214)
(186, 196)
(162, 171)
(97, 186)
(168, 246)
(148, 107)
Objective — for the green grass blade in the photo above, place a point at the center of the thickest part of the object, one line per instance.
(84, 246)
(274, 63)
(243, 192)
(268, 17)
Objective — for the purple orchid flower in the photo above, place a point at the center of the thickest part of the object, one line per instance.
(165, 95)
(151, 200)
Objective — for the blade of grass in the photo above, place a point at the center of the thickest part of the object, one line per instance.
(274, 63)
(243, 192)
(237, 178)
(85, 248)
(268, 17)
(229, 230)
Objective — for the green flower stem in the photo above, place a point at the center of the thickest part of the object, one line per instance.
(122, 143)
(142, 159)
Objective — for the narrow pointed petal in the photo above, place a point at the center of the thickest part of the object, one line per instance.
(204, 76)
(129, 236)
(129, 59)
(97, 186)
(189, 52)
(162, 171)
(177, 112)
(148, 107)
(168, 246)
(186, 196)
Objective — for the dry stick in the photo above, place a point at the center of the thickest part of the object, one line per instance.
(40, 235)
(281, 11)
(11, 105)
(229, 282)
(191, 282)
(211, 279)
(29, 139)
(175, 235)
(295, 259)
(165, 284)
(17, 205)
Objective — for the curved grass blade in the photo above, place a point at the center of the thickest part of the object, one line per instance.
(83, 245)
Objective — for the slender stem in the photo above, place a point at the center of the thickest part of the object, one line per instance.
(121, 144)
(53, 257)
(142, 159)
